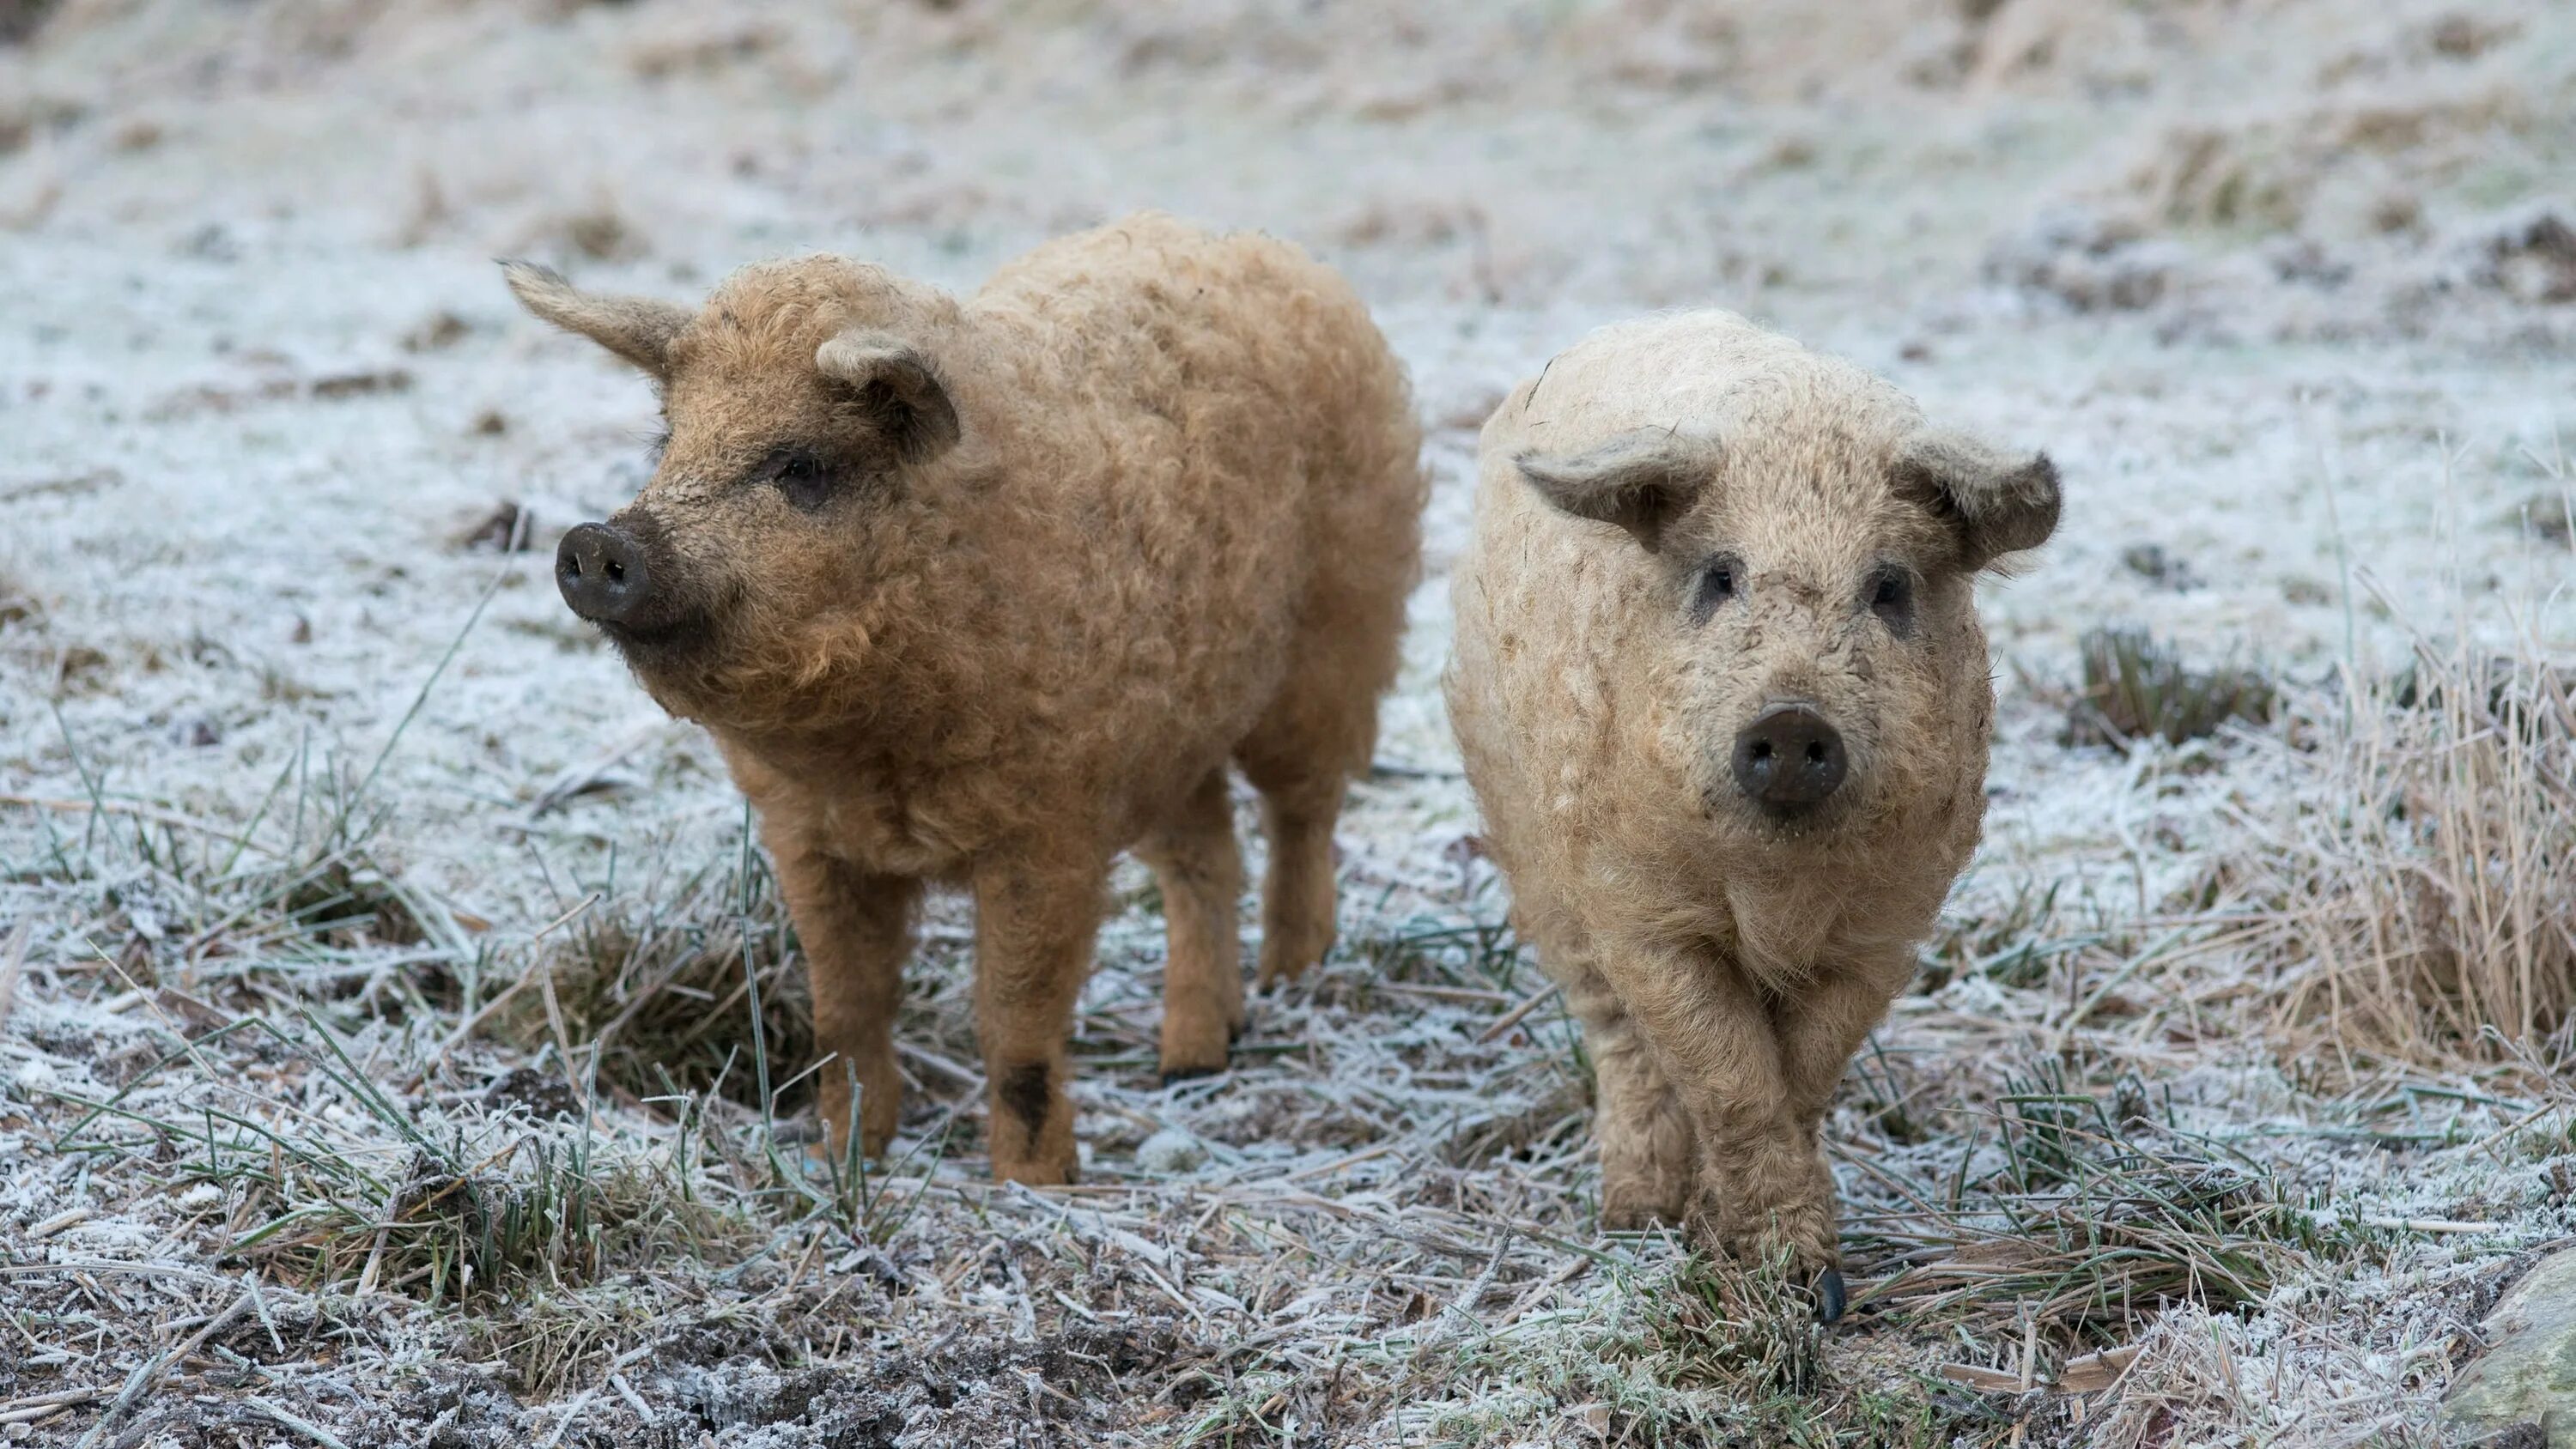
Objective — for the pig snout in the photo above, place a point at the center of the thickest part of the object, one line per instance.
(1789, 758)
(600, 569)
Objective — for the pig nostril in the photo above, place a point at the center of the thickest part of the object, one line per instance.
(1788, 758)
(604, 575)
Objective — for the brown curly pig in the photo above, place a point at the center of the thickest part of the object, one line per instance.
(1722, 693)
(984, 591)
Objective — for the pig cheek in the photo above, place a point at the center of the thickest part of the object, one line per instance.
(1913, 752)
(1851, 694)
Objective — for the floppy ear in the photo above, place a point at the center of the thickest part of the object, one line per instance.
(896, 386)
(1997, 502)
(1640, 481)
(638, 329)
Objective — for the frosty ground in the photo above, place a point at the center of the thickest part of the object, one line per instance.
(379, 970)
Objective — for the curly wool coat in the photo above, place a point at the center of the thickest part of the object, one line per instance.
(986, 590)
(1684, 526)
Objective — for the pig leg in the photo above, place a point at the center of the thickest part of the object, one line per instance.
(1298, 806)
(1649, 1160)
(856, 929)
(1818, 1032)
(1300, 757)
(1297, 925)
(1195, 858)
(1758, 1180)
(1036, 919)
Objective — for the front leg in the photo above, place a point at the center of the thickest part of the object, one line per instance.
(857, 930)
(1709, 1031)
(1821, 1027)
(1818, 1030)
(1649, 1149)
(1036, 920)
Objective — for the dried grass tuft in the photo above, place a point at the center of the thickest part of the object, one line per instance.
(652, 987)
(2097, 1212)
(2419, 897)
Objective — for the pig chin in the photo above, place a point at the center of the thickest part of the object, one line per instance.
(1777, 827)
(679, 662)
(672, 650)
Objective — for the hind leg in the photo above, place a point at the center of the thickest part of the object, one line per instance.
(1301, 759)
(1318, 734)
(1297, 915)
(1195, 858)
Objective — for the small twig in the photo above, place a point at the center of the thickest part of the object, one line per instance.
(305, 1427)
(149, 1372)
(13, 959)
(581, 1405)
(106, 1265)
(68, 1217)
(634, 1400)
(1512, 1018)
(1573, 1269)
(2431, 1225)
(59, 1398)
(375, 1262)
(44, 1406)
(1464, 1305)
(1327, 1169)
(954, 1071)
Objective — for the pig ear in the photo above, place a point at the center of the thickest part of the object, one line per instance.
(1640, 481)
(638, 329)
(896, 386)
(1998, 502)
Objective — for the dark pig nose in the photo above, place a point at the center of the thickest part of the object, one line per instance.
(602, 574)
(1788, 756)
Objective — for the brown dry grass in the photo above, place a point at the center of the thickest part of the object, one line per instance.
(2415, 894)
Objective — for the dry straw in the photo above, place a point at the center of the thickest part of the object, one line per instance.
(2417, 897)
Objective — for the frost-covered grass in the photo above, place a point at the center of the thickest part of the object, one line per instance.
(428, 1142)
(400, 1043)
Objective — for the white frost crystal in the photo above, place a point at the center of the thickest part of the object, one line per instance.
(1170, 1150)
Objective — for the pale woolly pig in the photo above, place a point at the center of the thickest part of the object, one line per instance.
(1722, 693)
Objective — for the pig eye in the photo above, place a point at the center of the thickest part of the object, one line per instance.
(1891, 598)
(1718, 581)
(804, 478)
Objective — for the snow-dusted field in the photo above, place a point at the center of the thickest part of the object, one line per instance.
(301, 768)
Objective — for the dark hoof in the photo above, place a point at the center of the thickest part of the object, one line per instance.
(1186, 1074)
(1830, 1297)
